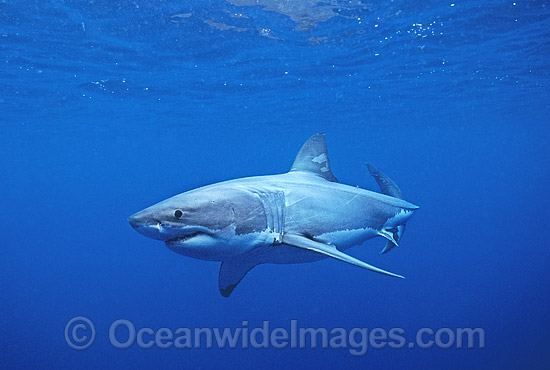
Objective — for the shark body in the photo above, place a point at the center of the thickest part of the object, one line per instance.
(301, 216)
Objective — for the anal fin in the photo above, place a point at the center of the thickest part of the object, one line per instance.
(330, 251)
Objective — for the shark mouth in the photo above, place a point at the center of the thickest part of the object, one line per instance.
(181, 239)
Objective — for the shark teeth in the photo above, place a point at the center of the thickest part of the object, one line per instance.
(181, 239)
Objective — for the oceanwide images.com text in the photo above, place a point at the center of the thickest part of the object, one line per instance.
(80, 334)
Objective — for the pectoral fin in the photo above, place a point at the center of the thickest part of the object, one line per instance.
(331, 251)
(232, 272)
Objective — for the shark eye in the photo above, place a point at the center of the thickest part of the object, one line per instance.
(178, 213)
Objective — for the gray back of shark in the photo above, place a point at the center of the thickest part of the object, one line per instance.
(301, 216)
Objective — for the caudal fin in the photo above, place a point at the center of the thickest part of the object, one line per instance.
(388, 187)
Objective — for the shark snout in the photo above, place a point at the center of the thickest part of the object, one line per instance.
(147, 226)
(137, 221)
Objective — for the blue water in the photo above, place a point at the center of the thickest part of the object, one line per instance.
(110, 106)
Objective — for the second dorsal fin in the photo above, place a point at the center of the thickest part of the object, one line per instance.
(313, 158)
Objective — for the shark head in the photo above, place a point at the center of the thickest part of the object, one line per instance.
(203, 223)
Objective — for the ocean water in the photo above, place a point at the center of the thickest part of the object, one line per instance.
(110, 106)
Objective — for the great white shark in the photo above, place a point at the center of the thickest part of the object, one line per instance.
(304, 215)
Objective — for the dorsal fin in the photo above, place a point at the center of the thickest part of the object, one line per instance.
(313, 158)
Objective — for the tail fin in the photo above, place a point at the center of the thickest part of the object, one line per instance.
(388, 187)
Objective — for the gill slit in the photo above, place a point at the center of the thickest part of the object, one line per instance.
(274, 208)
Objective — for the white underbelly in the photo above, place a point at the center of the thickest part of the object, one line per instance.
(344, 239)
